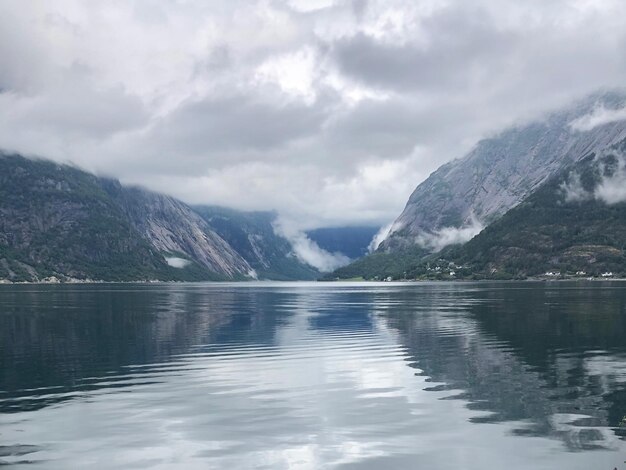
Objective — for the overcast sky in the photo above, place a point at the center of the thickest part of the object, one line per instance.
(330, 112)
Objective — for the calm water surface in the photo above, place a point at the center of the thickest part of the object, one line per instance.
(314, 376)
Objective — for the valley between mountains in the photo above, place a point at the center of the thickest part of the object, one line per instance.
(543, 199)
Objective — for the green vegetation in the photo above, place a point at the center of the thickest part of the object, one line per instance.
(549, 234)
(379, 265)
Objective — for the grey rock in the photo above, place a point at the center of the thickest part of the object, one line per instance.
(171, 226)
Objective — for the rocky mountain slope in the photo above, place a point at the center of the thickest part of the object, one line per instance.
(465, 195)
(59, 221)
(252, 235)
(502, 171)
(575, 224)
(172, 227)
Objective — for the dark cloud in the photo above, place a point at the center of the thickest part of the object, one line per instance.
(239, 122)
(82, 112)
(389, 127)
(218, 59)
(462, 46)
(328, 111)
(359, 8)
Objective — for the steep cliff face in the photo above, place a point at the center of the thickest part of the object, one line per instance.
(59, 221)
(500, 172)
(574, 223)
(172, 227)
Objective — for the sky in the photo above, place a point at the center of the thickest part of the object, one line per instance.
(327, 111)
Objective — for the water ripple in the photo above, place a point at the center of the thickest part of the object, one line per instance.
(437, 376)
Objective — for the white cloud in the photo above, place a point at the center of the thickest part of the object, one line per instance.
(177, 262)
(599, 116)
(449, 236)
(252, 274)
(380, 237)
(612, 188)
(310, 5)
(573, 189)
(307, 250)
(293, 72)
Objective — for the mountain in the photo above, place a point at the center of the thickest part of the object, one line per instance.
(460, 198)
(574, 223)
(502, 171)
(56, 220)
(252, 235)
(352, 242)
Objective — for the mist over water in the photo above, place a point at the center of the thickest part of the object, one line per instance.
(314, 375)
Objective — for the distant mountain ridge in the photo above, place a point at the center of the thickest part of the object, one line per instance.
(252, 235)
(57, 221)
(353, 242)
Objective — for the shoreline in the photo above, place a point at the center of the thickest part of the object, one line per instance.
(5, 282)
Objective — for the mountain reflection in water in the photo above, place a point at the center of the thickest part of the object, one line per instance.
(270, 375)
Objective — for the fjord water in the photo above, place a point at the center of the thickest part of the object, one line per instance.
(314, 375)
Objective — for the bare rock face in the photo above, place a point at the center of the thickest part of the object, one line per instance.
(502, 171)
(171, 226)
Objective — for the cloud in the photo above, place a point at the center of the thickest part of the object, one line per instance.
(175, 262)
(74, 110)
(302, 193)
(610, 187)
(612, 190)
(252, 274)
(461, 43)
(573, 189)
(228, 125)
(449, 236)
(331, 115)
(599, 116)
(380, 237)
(307, 250)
